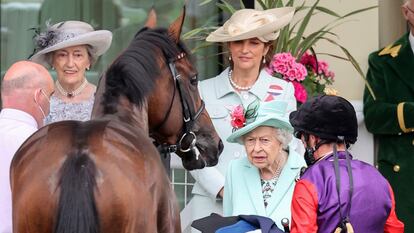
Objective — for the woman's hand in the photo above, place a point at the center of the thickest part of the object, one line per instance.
(220, 193)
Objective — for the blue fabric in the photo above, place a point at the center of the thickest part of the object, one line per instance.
(239, 227)
(266, 225)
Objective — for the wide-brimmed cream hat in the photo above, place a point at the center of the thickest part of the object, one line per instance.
(70, 33)
(249, 23)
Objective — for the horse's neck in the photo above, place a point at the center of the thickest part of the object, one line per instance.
(129, 113)
(126, 111)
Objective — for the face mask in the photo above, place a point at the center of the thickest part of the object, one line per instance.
(309, 159)
(43, 113)
(40, 107)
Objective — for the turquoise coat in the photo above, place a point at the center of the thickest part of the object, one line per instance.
(220, 98)
(243, 190)
(391, 76)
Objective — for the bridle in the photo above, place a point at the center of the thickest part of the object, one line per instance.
(189, 115)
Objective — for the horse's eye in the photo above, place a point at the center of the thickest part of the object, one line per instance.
(194, 80)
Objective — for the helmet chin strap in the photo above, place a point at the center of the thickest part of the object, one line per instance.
(310, 151)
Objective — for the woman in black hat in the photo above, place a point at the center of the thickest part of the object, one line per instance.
(335, 193)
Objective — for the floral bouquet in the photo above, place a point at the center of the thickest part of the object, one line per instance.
(284, 66)
(308, 76)
(319, 75)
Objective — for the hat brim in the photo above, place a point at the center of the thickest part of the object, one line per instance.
(100, 41)
(271, 120)
(284, 16)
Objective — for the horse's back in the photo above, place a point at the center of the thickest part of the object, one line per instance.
(132, 192)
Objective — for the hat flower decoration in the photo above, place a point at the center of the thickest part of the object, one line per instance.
(240, 116)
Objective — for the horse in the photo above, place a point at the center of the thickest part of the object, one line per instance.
(105, 175)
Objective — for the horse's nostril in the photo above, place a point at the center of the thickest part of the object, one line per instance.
(220, 147)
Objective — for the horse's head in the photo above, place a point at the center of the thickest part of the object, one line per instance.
(177, 117)
(155, 77)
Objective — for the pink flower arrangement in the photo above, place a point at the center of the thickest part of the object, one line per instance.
(311, 64)
(238, 119)
(309, 76)
(285, 65)
(300, 92)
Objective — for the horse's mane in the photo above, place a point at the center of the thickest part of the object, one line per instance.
(134, 72)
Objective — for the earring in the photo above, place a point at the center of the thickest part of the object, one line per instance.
(230, 58)
(87, 68)
(53, 68)
(264, 60)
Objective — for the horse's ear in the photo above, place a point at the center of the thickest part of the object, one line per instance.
(152, 19)
(177, 25)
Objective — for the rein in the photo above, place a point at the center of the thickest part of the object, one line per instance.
(189, 117)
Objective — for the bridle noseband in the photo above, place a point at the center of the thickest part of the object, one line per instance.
(189, 115)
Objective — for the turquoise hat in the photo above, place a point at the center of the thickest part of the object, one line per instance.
(271, 113)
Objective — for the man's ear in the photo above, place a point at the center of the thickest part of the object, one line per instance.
(404, 11)
(36, 95)
(313, 140)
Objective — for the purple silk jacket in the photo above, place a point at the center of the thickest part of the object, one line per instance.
(371, 200)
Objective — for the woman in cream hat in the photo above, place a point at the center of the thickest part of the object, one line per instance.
(70, 48)
(249, 35)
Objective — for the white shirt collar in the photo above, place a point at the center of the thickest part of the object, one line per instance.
(18, 115)
(411, 39)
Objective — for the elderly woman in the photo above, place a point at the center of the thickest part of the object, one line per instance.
(263, 182)
(249, 35)
(71, 48)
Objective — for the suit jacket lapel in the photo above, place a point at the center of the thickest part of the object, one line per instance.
(252, 182)
(403, 63)
(286, 180)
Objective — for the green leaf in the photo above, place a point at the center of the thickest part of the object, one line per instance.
(205, 2)
(290, 3)
(262, 4)
(227, 7)
(327, 11)
(335, 56)
(356, 66)
(202, 45)
(304, 24)
(359, 11)
(251, 111)
(242, 6)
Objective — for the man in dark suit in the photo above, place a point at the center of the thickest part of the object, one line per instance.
(390, 115)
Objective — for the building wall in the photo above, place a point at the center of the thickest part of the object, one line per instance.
(361, 34)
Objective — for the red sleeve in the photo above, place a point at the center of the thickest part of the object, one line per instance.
(393, 225)
(304, 208)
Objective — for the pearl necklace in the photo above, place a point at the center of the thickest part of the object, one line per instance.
(73, 93)
(235, 85)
